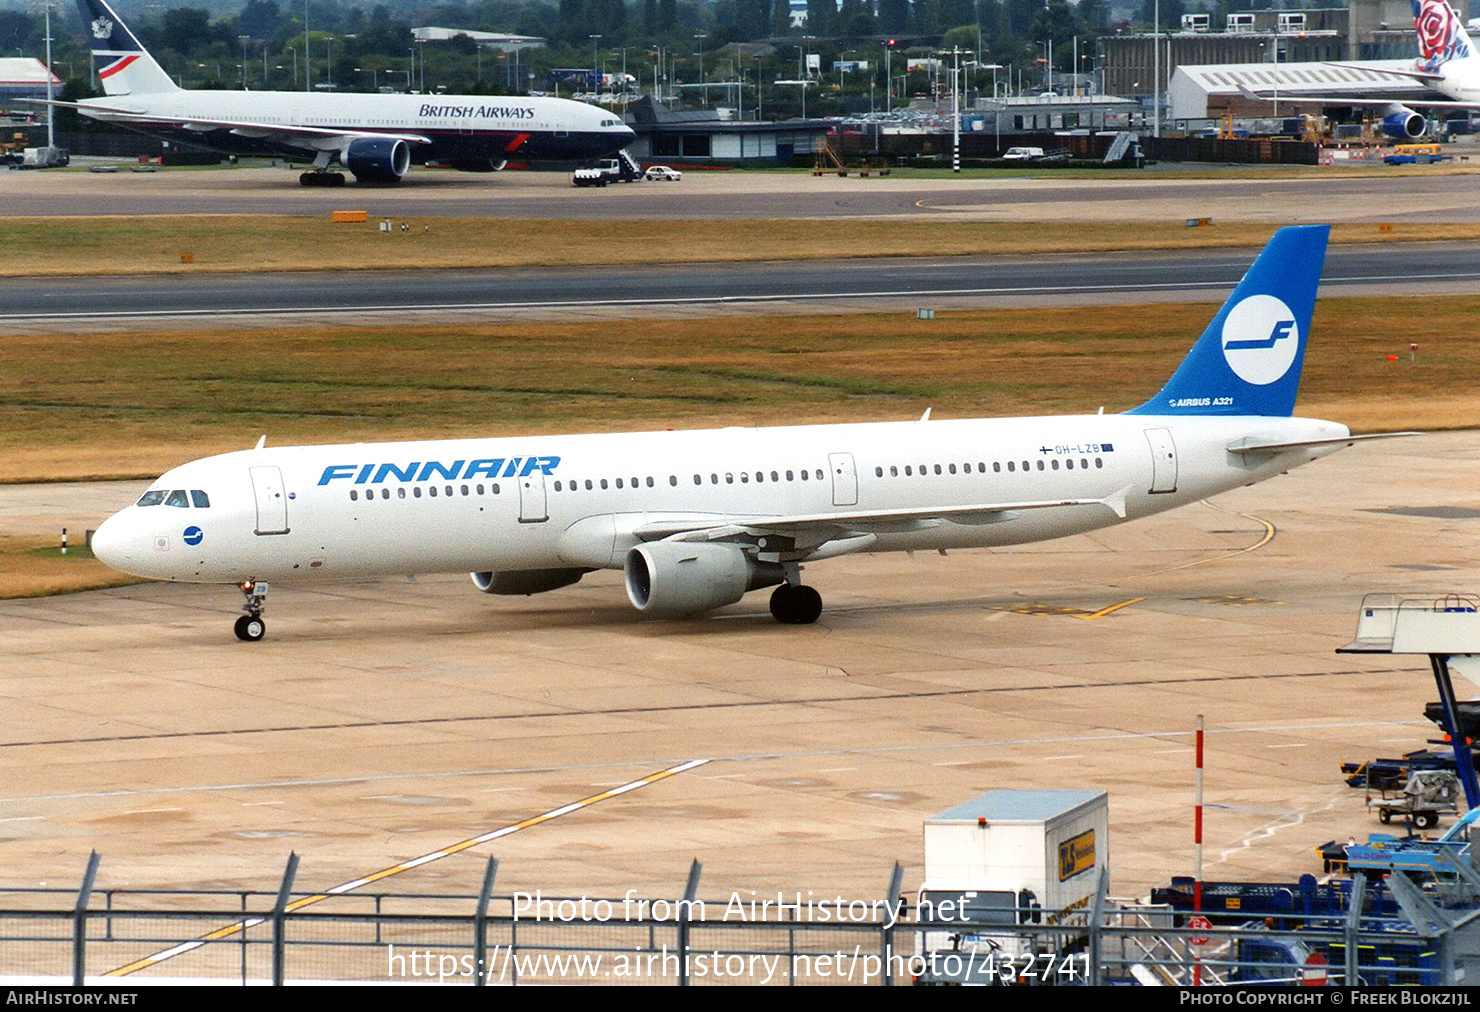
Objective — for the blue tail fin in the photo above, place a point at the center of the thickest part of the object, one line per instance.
(1248, 360)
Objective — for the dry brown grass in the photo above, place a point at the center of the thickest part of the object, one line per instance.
(35, 567)
(134, 404)
(221, 243)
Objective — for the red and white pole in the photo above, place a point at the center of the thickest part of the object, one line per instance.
(1197, 846)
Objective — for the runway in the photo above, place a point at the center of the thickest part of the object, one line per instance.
(384, 721)
(1247, 193)
(1410, 268)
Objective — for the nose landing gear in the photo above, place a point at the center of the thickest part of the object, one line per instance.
(250, 626)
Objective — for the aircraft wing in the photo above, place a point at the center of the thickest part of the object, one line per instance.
(1249, 445)
(247, 128)
(1417, 75)
(1303, 98)
(816, 529)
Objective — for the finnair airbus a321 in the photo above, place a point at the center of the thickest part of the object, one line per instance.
(376, 137)
(698, 518)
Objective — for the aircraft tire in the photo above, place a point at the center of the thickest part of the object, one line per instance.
(806, 605)
(781, 606)
(250, 628)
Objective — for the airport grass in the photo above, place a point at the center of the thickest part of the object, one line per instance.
(92, 246)
(114, 405)
(36, 567)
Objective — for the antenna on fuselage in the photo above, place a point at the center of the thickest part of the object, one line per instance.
(261, 442)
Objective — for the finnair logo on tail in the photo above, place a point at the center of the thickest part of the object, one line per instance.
(1260, 339)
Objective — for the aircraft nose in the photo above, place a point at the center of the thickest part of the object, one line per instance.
(110, 543)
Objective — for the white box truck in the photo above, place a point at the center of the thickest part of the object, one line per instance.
(1003, 860)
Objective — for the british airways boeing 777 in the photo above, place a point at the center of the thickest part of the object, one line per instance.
(696, 519)
(376, 137)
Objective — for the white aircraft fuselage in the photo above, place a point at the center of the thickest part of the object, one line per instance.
(550, 502)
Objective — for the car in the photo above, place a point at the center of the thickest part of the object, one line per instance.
(662, 173)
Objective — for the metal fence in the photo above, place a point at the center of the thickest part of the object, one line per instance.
(59, 936)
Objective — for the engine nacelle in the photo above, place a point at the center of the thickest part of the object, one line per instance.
(527, 581)
(1404, 124)
(478, 164)
(377, 159)
(678, 578)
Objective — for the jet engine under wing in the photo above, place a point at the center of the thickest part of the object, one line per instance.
(308, 136)
(819, 528)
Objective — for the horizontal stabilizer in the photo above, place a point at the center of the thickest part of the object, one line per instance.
(1254, 446)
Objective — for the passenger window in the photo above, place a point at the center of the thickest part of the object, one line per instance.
(996, 466)
(557, 486)
(153, 497)
(908, 471)
(603, 483)
(1012, 465)
(819, 474)
(1084, 465)
(480, 489)
(1056, 463)
(353, 495)
(698, 479)
(729, 479)
(714, 479)
(1040, 465)
(791, 476)
(200, 500)
(417, 491)
(400, 493)
(1069, 463)
(588, 484)
(775, 476)
(1099, 462)
(177, 498)
(878, 472)
(495, 488)
(673, 481)
(745, 477)
(937, 469)
(953, 468)
(619, 483)
(449, 489)
(804, 476)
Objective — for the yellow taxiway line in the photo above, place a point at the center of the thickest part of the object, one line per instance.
(457, 848)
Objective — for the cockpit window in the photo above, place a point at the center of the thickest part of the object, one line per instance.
(177, 498)
(199, 499)
(153, 497)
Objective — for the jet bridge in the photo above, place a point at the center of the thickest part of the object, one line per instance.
(1447, 629)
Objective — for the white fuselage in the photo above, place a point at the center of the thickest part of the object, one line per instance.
(549, 502)
(458, 127)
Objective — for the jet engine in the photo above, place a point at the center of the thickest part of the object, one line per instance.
(377, 159)
(679, 578)
(1404, 124)
(527, 581)
(479, 164)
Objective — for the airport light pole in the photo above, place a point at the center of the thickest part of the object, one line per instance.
(703, 91)
(294, 51)
(1156, 68)
(307, 53)
(51, 110)
(596, 65)
(243, 39)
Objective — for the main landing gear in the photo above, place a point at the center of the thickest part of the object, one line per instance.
(250, 626)
(317, 178)
(796, 605)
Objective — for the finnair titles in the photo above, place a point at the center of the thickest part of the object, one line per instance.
(696, 519)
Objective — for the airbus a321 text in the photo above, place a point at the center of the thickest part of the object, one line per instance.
(698, 518)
